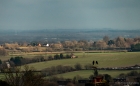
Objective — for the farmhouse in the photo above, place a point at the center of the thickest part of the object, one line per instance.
(72, 55)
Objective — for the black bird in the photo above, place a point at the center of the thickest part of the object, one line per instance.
(93, 62)
(96, 62)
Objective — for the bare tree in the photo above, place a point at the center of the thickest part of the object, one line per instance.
(17, 77)
(106, 39)
(120, 42)
(101, 45)
(3, 52)
(11, 46)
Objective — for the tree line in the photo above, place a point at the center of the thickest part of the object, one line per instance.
(131, 44)
(30, 78)
(19, 60)
(17, 77)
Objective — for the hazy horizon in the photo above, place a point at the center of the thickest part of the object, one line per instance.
(69, 14)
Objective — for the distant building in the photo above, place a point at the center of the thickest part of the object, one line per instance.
(72, 55)
(47, 45)
(39, 45)
(8, 64)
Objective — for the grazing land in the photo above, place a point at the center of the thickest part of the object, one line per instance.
(105, 59)
(119, 59)
(87, 73)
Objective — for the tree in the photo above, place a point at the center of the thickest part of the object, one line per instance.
(61, 56)
(101, 45)
(135, 47)
(129, 41)
(120, 42)
(17, 60)
(111, 42)
(107, 77)
(78, 66)
(59, 69)
(50, 57)
(76, 78)
(106, 39)
(68, 44)
(95, 72)
(3, 52)
(23, 78)
(0, 61)
(11, 46)
(68, 56)
(133, 73)
(33, 43)
(24, 44)
(88, 66)
(56, 56)
(122, 75)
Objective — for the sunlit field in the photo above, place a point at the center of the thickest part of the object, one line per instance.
(121, 59)
(113, 59)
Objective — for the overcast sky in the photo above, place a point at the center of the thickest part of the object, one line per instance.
(69, 14)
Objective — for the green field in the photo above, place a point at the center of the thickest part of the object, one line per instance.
(113, 59)
(87, 73)
(105, 60)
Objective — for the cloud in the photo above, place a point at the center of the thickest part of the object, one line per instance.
(41, 14)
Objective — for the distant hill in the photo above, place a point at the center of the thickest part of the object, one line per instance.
(64, 34)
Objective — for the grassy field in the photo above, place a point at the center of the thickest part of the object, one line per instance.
(87, 73)
(105, 60)
(113, 59)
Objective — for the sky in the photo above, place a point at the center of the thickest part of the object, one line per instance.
(69, 14)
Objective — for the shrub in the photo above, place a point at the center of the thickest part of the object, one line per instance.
(78, 66)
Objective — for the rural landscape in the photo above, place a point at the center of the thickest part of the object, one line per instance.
(69, 42)
(68, 61)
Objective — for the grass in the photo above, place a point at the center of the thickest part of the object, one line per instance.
(2, 76)
(104, 59)
(115, 59)
(87, 73)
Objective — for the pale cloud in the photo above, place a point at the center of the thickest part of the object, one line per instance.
(54, 14)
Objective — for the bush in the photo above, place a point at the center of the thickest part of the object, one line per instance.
(78, 66)
(50, 57)
(133, 73)
(17, 60)
(88, 66)
(52, 84)
(56, 70)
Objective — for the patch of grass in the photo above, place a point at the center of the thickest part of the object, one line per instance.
(1, 76)
(119, 59)
(104, 59)
(87, 73)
